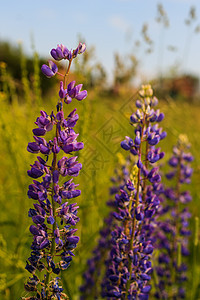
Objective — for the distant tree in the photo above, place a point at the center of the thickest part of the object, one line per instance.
(19, 64)
(178, 86)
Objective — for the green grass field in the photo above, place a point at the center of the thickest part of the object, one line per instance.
(103, 123)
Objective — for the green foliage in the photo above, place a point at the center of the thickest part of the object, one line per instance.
(103, 123)
(21, 68)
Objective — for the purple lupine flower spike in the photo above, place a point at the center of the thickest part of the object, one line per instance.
(130, 240)
(172, 223)
(129, 269)
(90, 288)
(53, 218)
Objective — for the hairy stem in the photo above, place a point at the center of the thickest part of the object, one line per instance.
(130, 268)
(54, 166)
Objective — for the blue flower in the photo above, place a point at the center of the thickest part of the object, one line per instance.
(51, 70)
(53, 231)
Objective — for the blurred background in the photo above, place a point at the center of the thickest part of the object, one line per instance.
(129, 43)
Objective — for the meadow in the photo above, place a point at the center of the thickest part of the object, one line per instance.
(103, 123)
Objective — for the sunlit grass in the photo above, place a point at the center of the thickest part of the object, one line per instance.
(103, 123)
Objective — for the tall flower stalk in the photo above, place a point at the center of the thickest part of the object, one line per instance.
(172, 224)
(129, 264)
(91, 287)
(54, 214)
(131, 223)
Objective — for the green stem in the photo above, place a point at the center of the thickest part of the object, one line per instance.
(54, 167)
(66, 74)
(146, 166)
(53, 244)
(130, 268)
(53, 207)
(176, 220)
(65, 79)
(156, 281)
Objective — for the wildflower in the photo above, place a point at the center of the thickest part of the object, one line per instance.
(51, 70)
(75, 91)
(53, 232)
(61, 52)
(173, 222)
(129, 238)
(132, 242)
(91, 288)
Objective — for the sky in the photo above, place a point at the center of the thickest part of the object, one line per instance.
(111, 26)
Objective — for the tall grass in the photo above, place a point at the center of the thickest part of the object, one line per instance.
(102, 125)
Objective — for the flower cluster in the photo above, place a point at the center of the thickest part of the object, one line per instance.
(137, 204)
(173, 222)
(93, 275)
(53, 214)
(128, 261)
(60, 53)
